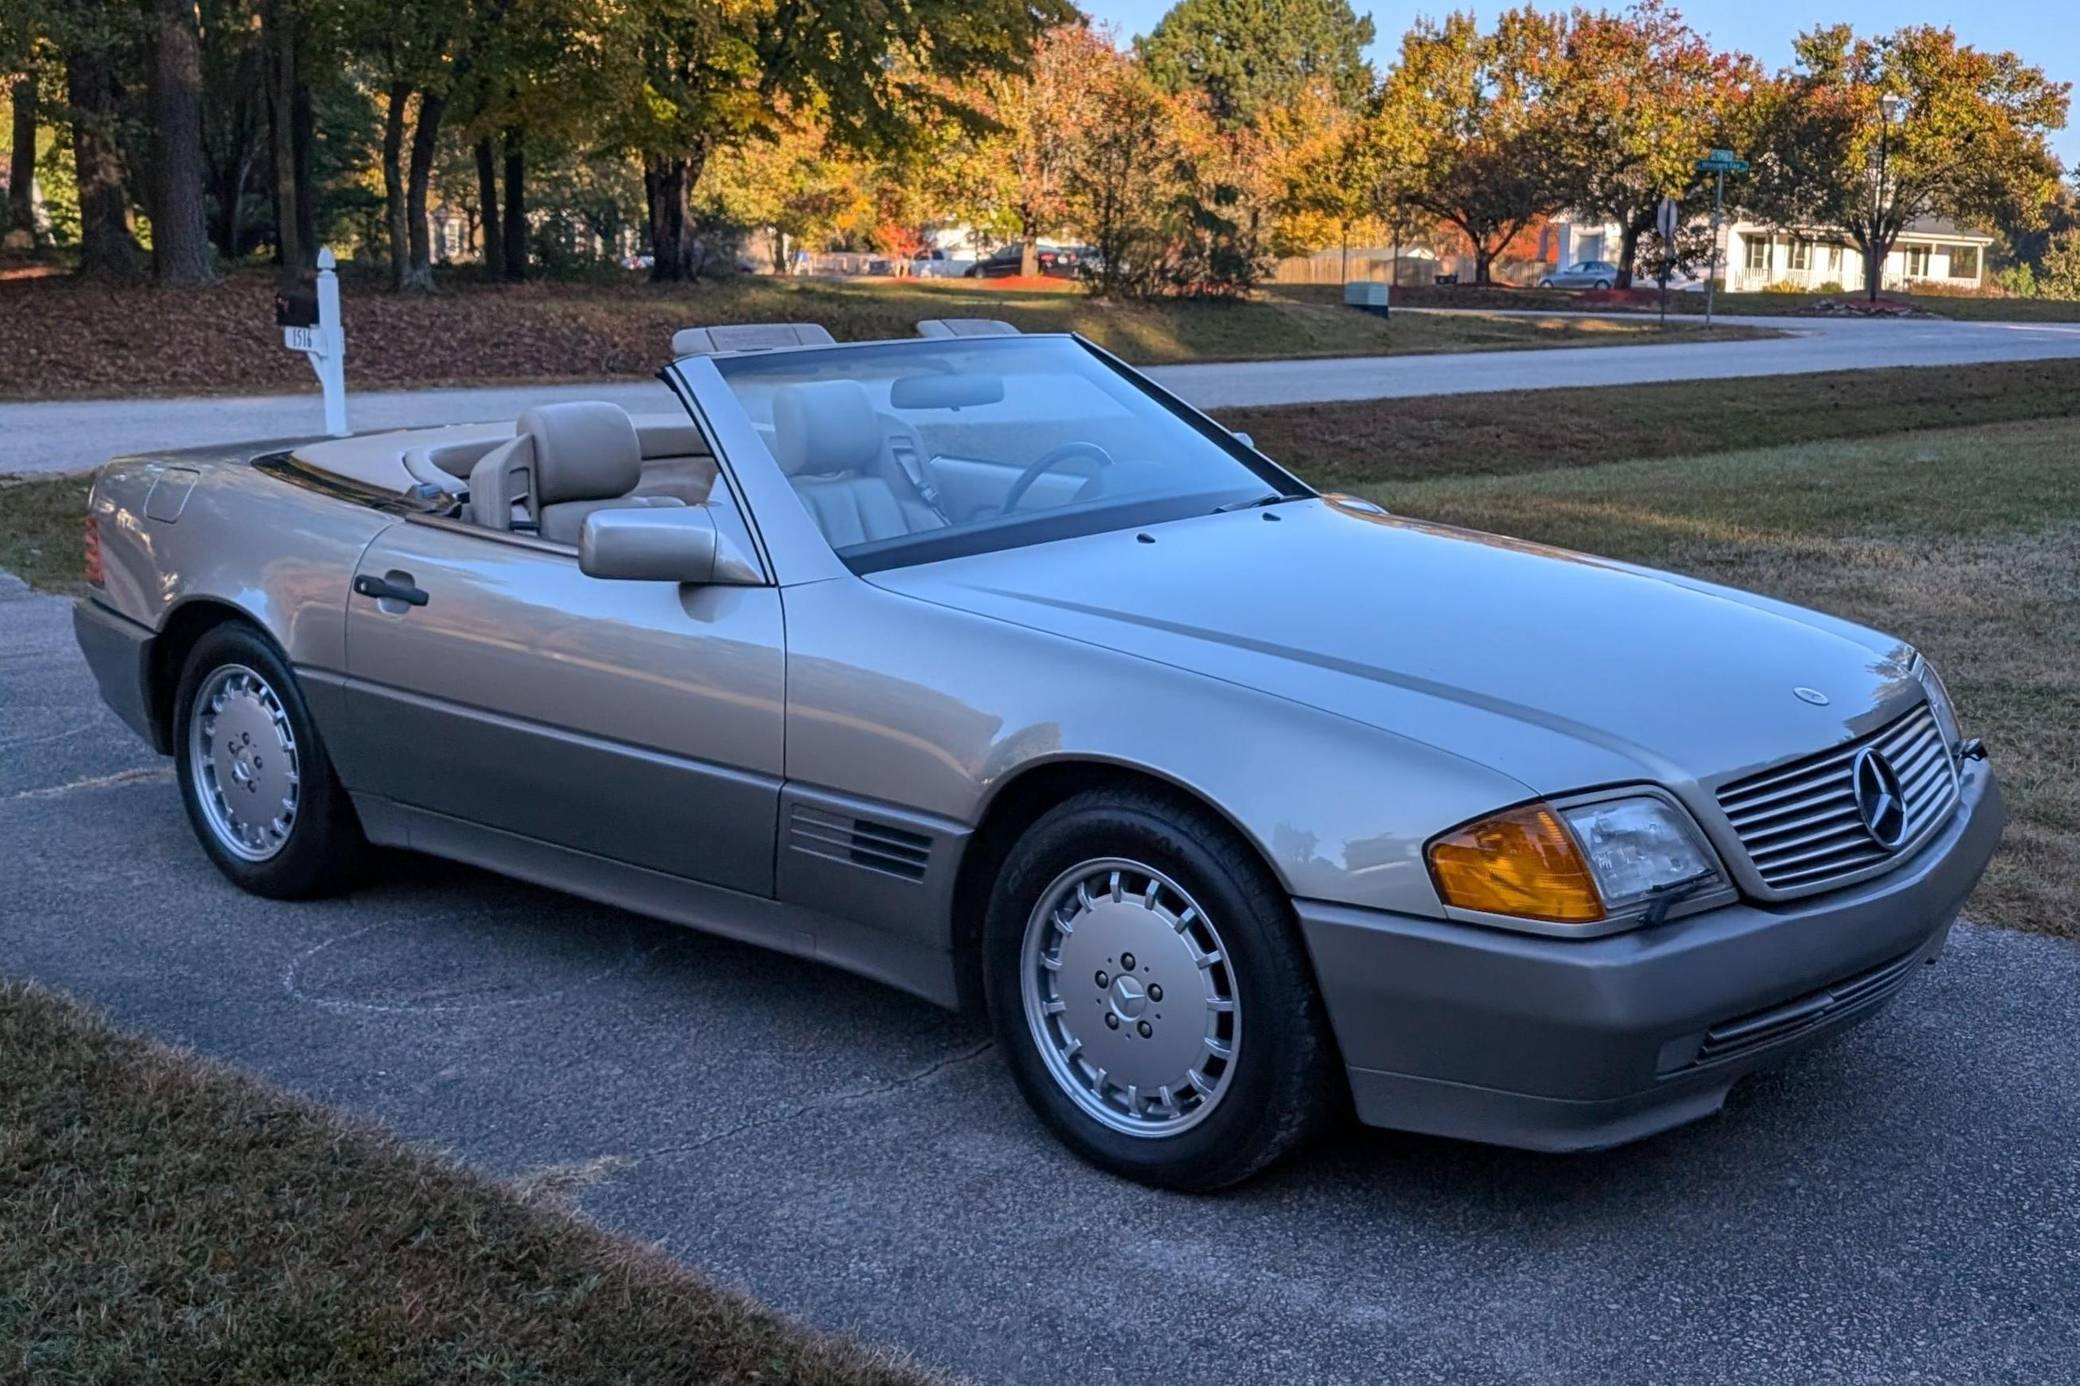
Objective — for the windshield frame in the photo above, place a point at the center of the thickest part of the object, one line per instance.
(1017, 531)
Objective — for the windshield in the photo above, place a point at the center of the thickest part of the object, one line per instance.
(909, 451)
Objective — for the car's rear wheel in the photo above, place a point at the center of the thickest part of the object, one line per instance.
(1151, 993)
(1603, 283)
(259, 788)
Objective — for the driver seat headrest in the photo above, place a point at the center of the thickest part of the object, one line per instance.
(825, 426)
(585, 450)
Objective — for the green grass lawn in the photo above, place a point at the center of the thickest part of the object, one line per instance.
(1349, 444)
(164, 1219)
(73, 341)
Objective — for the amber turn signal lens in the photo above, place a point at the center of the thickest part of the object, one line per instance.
(1522, 863)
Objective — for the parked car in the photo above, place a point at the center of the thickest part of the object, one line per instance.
(985, 667)
(1583, 274)
(1058, 261)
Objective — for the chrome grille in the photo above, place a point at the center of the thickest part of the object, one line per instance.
(1799, 821)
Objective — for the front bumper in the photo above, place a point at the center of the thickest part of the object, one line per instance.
(1558, 1044)
(119, 651)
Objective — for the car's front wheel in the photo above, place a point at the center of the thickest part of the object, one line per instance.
(1151, 993)
(259, 788)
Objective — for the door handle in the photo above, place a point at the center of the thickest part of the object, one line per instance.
(384, 589)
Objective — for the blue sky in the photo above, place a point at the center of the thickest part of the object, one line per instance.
(1763, 29)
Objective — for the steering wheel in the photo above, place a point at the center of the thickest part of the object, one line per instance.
(1052, 458)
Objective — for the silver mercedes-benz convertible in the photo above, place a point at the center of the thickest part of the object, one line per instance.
(979, 664)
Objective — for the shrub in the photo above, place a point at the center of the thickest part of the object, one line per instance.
(2017, 281)
(1786, 286)
(1832, 286)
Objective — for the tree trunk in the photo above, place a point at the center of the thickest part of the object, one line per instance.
(180, 220)
(393, 181)
(1628, 253)
(1873, 266)
(674, 246)
(292, 253)
(425, 140)
(20, 230)
(1483, 260)
(516, 205)
(107, 249)
(487, 210)
(1028, 251)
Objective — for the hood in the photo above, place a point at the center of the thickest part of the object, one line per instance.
(1560, 670)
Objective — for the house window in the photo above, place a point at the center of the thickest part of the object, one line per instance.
(1834, 259)
(1917, 261)
(1757, 254)
(1964, 262)
(1801, 255)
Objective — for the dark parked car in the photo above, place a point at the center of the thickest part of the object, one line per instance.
(1060, 261)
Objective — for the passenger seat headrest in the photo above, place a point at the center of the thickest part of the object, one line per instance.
(582, 451)
(825, 426)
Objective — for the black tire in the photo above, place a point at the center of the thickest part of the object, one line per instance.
(1603, 284)
(1285, 1086)
(324, 847)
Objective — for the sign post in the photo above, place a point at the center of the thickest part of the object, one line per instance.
(1665, 223)
(311, 325)
(1719, 163)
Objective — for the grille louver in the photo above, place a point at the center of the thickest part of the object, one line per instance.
(1734, 1037)
(860, 842)
(1799, 822)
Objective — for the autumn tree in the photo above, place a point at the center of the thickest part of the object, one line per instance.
(94, 39)
(415, 49)
(22, 59)
(1250, 55)
(1867, 135)
(1642, 96)
(1469, 128)
(1042, 113)
(698, 77)
(1120, 183)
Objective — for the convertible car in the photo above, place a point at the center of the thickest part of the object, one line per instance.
(979, 664)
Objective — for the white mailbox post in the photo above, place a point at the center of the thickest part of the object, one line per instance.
(325, 343)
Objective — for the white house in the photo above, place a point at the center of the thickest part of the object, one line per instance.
(1932, 251)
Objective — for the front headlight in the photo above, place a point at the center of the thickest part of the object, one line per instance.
(1637, 847)
(1577, 865)
(1939, 702)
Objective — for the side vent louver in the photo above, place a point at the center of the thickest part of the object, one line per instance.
(862, 842)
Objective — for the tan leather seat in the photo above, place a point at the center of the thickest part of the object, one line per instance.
(564, 462)
(841, 456)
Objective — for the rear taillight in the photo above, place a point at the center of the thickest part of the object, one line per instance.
(95, 576)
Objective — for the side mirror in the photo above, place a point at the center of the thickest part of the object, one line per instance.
(676, 544)
(1245, 439)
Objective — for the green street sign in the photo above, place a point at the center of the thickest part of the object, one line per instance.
(1722, 161)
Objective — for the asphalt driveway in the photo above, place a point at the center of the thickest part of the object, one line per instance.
(75, 435)
(1904, 1206)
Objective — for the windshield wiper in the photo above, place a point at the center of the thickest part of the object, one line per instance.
(1256, 504)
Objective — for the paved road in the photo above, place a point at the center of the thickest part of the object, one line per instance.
(74, 435)
(1902, 1206)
